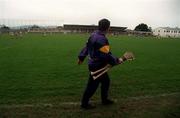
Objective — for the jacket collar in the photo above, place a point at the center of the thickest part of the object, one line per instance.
(100, 32)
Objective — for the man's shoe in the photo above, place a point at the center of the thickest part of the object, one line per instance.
(107, 102)
(86, 107)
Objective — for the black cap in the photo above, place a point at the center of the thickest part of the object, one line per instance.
(103, 24)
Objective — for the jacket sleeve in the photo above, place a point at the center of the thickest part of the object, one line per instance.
(105, 54)
(84, 52)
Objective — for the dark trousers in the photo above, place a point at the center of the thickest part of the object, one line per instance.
(93, 85)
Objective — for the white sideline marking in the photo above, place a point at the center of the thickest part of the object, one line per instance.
(151, 96)
(78, 103)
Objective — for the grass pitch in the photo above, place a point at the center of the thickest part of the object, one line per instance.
(39, 77)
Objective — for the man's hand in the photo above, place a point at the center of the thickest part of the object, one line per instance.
(79, 62)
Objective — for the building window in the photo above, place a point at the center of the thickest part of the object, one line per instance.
(171, 31)
(164, 30)
(158, 30)
(179, 31)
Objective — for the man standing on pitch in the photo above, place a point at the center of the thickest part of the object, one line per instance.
(98, 50)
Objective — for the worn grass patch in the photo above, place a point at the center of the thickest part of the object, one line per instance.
(161, 106)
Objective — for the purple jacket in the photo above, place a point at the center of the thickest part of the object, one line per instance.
(98, 50)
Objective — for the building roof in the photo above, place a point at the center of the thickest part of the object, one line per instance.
(92, 27)
(169, 28)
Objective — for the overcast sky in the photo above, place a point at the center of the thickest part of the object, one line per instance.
(127, 13)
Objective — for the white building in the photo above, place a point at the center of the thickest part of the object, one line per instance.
(166, 32)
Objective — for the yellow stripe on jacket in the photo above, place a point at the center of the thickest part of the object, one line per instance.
(105, 49)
